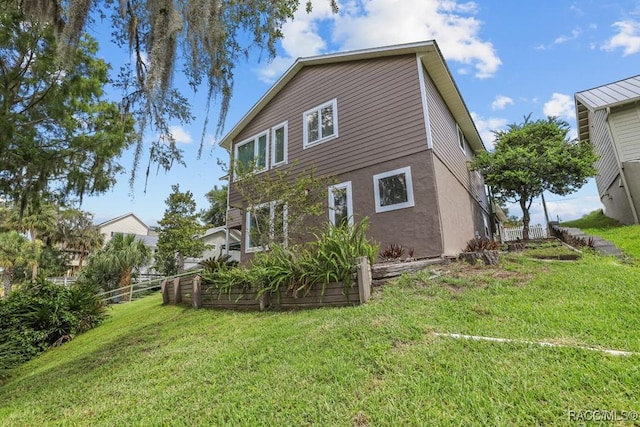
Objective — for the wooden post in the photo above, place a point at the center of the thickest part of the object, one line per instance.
(364, 279)
(197, 292)
(177, 295)
(165, 292)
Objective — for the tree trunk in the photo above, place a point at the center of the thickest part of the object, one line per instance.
(7, 275)
(525, 219)
(125, 280)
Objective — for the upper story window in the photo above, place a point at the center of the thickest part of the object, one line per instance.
(320, 123)
(341, 204)
(461, 140)
(279, 136)
(393, 190)
(253, 152)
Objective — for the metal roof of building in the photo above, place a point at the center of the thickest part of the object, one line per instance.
(605, 96)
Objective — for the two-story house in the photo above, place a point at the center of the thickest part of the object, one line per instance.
(391, 125)
(609, 116)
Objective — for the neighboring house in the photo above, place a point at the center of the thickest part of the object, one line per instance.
(216, 238)
(131, 224)
(125, 224)
(609, 116)
(391, 125)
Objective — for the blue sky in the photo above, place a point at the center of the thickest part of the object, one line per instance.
(509, 59)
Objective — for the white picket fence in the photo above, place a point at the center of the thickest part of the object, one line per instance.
(515, 233)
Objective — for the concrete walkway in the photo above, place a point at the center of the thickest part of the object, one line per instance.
(602, 246)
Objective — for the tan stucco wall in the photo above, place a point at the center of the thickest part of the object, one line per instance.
(632, 174)
(616, 203)
(459, 217)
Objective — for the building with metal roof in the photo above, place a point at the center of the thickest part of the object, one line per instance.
(609, 117)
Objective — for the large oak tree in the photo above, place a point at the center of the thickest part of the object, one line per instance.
(59, 138)
(205, 38)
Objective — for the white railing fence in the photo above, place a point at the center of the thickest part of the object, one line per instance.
(515, 233)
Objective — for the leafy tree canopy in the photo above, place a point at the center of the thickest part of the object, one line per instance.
(532, 157)
(285, 206)
(58, 137)
(178, 231)
(216, 214)
(210, 35)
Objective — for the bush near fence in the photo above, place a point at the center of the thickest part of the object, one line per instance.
(192, 290)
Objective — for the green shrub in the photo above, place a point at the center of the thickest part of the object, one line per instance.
(330, 258)
(43, 314)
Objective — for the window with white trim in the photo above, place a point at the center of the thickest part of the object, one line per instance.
(393, 190)
(253, 152)
(265, 223)
(279, 136)
(461, 140)
(320, 123)
(341, 204)
(486, 225)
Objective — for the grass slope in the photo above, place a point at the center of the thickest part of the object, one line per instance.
(377, 364)
(626, 238)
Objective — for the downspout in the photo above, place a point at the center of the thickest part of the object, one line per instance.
(226, 217)
(621, 168)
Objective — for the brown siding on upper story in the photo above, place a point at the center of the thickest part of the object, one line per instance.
(379, 114)
(444, 134)
(607, 165)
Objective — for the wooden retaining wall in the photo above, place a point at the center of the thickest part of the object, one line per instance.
(192, 290)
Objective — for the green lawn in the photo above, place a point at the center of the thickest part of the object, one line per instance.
(626, 238)
(379, 364)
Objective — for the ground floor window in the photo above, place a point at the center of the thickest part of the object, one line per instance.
(265, 224)
(393, 190)
(341, 204)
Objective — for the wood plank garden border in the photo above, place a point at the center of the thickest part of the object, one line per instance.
(191, 289)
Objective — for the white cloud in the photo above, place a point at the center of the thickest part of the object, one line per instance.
(627, 38)
(572, 208)
(372, 23)
(501, 102)
(301, 39)
(181, 135)
(575, 33)
(566, 209)
(486, 128)
(560, 105)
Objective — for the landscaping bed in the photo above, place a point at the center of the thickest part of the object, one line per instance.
(550, 249)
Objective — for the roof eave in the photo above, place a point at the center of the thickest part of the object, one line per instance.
(409, 48)
(441, 75)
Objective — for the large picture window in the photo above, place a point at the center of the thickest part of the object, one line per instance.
(320, 123)
(279, 136)
(265, 223)
(393, 190)
(253, 152)
(340, 204)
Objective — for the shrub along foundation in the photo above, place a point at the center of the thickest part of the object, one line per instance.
(192, 290)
